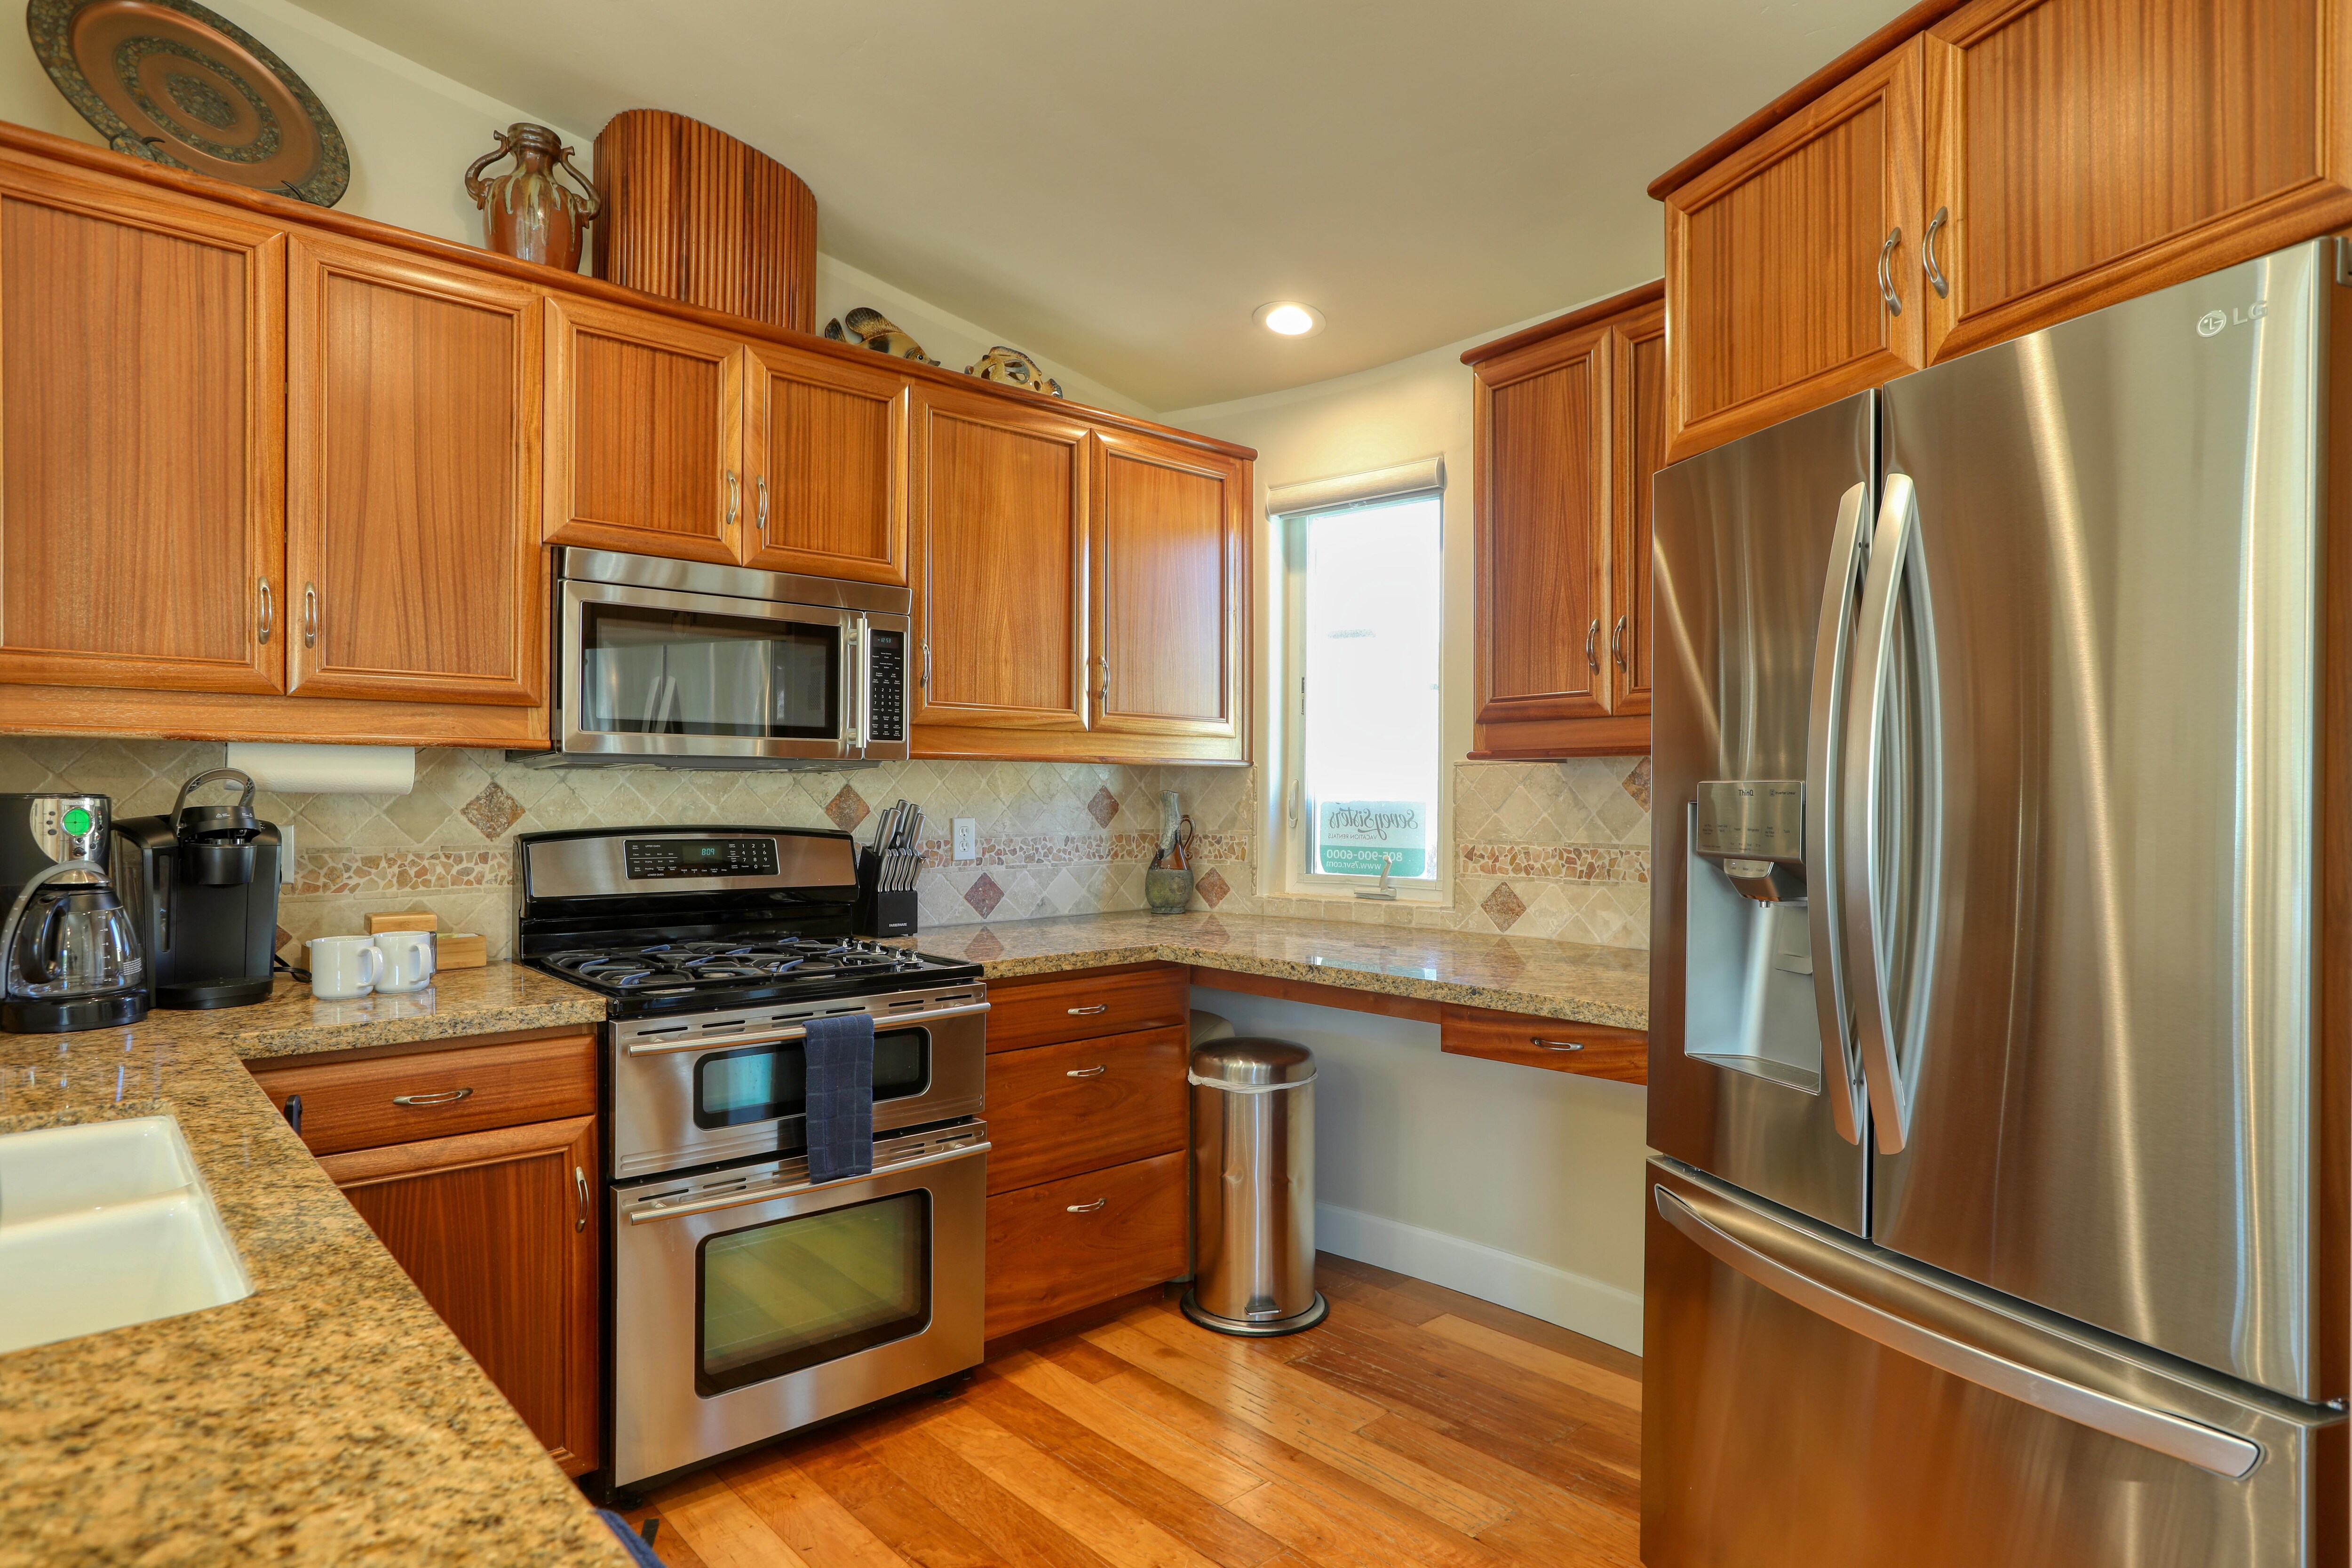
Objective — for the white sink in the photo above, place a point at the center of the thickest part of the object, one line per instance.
(104, 1225)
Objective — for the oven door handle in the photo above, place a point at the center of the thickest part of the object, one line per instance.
(649, 1214)
(790, 1032)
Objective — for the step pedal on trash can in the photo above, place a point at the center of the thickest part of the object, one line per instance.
(1253, 1187)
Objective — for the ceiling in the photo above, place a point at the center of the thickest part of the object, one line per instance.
(1119, 187)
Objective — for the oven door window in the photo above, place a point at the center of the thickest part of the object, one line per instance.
(683, 672)
(795, 1294)
(761, 1082)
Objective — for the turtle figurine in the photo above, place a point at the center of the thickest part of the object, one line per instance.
(869, 329)
(1014, 368)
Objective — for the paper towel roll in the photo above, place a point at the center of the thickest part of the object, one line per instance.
(285, 769)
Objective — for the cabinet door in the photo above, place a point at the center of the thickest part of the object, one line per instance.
(1638, 449)
(142, 440)
(826, 450)
(500, 1232)
(645, 433)
(1055, 1111)
(414, 560)
(1541, 418)
(999, 559)
(1774, 259)
(1063, 1245)
(1169, 527)
(2086, 150)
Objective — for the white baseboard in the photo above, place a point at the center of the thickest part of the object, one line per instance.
(1605, 1312)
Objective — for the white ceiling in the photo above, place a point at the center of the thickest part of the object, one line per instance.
(1118, 187)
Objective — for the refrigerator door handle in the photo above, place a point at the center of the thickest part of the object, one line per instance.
(1825, 748)
(1863, 868)
(2191, 1442)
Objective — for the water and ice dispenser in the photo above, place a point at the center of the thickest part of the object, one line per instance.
(1748, 969)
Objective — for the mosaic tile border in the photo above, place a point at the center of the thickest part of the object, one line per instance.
(399, 871)
(1076, 848)
(1561, 863)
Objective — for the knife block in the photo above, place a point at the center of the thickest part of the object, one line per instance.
(880, 911)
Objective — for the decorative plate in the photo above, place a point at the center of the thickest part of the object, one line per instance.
(175, 83)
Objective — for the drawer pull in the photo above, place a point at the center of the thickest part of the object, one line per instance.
(1085, 1073)
(1086, 1207)
(439, 1097)
(294, 1113)
(580, 1184)
(1089, 1012)
(1541, 1043)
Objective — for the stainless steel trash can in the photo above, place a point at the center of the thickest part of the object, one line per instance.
(1253, 1187)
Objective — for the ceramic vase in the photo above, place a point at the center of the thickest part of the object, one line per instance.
(1167, 892)
(526, 212)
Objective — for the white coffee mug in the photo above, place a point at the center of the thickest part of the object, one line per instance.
(409, 959)
(342, 968)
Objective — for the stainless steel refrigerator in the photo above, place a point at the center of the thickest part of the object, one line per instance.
(2000, 1211)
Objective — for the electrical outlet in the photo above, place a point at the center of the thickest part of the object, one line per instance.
(966, 837)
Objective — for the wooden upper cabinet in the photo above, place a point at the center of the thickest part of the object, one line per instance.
(1638, 351)
(826, 450)
(142, 440)
(645, 433)
(2085, 150)
(999, 564)
(1774, 262)
(413, 510)
(499, 1231)
(1171, 524)
(1541, 421)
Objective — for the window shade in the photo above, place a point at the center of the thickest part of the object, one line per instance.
(1423, 477)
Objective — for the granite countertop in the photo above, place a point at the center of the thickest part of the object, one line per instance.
(1548, 979)
(329, 1417)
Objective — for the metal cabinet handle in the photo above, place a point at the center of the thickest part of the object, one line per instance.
(1541, 1043)
(294, 1111)
(1592, 639)
(1085, 1073)
(1885, 277)
(1104, 695)
(1617, 642)
(1089, 1012)
(734, 499)
(310, 616)
(1085, 1208)
(268, 621)
(1936, 278)
(763, 506)
(580, 1184)
(2175, 1436)
(927, 665)
(438, 1097)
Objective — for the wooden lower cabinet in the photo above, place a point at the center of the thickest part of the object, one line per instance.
(1096, 1002)
(1590, 1049)
(1058, 1109)
(1065, 1245)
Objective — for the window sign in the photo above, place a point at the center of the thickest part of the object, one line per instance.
(1355, 837)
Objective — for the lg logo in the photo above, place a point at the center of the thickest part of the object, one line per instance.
(2213, 321)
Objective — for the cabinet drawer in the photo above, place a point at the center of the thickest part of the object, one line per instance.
(1057, 1110)
(1599, 1050)
(1051, 1249)
(428, 1094)
(1095, 1002)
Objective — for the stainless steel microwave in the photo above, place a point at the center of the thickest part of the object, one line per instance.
(669, 660)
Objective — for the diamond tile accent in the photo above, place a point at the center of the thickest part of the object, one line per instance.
(1503, 906)
(983, 946)
(279, 939)
(847, 808)
(1212, 888)
(1637, 783)
(493, 812)
(983, 894)
(1102, 806)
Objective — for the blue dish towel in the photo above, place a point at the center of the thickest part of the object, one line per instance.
(640, 1550)
(840, 1096)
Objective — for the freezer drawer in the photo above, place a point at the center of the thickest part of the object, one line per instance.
(1810, 1399)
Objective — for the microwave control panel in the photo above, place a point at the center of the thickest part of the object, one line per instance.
(887, 687)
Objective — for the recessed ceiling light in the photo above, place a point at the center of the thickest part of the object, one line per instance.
(1288, 319)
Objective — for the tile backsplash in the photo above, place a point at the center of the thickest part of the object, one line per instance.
(1541, 849)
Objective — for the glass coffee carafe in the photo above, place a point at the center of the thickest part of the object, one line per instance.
(68, 956)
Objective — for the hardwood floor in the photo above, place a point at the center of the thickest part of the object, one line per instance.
(1417, 1426)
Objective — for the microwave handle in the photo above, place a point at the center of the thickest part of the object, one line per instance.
(864, 662)
(792, 1031)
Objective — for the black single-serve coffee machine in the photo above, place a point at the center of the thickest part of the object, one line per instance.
(202, 888)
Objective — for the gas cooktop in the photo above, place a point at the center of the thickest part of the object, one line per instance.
(773, 966)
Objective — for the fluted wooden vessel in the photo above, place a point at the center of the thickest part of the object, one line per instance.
(692, 214)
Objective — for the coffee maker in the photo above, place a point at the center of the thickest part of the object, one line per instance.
(202, 888)
(70, 959)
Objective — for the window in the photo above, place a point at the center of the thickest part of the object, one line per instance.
(1366, 584)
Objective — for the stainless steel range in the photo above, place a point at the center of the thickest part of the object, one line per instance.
(747, 1300)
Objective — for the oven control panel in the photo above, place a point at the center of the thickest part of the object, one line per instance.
(652, 860)
(887, 687)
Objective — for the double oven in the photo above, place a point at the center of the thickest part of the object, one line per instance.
(749, 1300)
